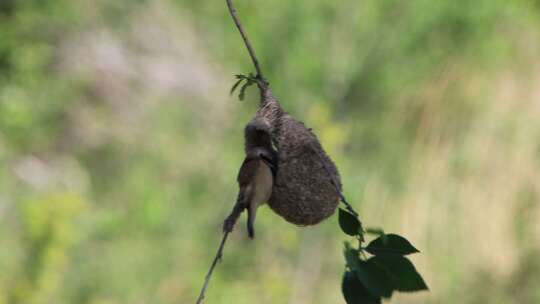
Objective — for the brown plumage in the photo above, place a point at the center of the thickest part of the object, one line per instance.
(256, 175)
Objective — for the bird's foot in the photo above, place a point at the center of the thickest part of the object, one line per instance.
(230, 221)
(228, 224)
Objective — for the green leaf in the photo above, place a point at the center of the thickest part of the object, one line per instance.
(356, 293)
(375, 278)
(401, 271)
(349, 223)
(351, 257)
(236, 84)
(394, 244)
(242, 94)
(243, 91)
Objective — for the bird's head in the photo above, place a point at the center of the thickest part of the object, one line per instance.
(258, 133)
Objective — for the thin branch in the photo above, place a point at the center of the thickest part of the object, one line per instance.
(347, 205)
(228, 226)
(250, 49)
(238, 208)
(209, 274)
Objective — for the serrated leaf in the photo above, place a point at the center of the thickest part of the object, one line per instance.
(391, 244)
(401, 271)
(356, 293)
(349, 223)
(375, 279)
(233, 88)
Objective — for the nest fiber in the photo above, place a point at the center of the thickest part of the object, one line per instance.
(304, 192)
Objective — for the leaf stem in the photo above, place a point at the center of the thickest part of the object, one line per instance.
(344, 201)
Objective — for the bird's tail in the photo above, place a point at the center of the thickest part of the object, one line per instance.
(252, 211)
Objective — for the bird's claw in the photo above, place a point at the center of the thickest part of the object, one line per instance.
(228, 224)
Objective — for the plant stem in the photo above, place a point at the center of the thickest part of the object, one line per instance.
(209, 274)
(259, 78)
(250, 49)
(347, 205)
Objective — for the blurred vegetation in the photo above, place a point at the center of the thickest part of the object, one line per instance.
(119, 146)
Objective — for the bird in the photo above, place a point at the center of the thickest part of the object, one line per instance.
(256, 175)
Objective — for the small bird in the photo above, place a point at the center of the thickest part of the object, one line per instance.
(256, 175)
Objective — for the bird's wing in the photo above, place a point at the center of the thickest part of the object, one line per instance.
(271, 160)
(248, 170)
(268, 161)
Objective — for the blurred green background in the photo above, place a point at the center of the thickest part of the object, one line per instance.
(119, 146)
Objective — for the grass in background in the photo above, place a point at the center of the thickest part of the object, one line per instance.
(119, 146)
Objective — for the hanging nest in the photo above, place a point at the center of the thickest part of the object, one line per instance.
(304, 191)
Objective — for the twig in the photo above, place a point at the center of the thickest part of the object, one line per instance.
(228, 226)
(347, 205)
(209, 274)
(250, 49)
(238, 208)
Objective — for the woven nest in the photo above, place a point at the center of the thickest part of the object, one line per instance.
(304, 192)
